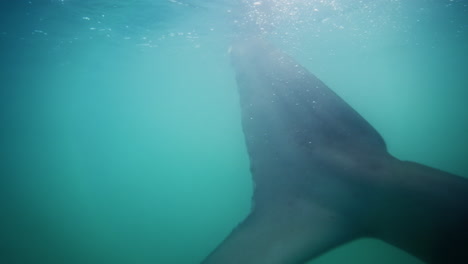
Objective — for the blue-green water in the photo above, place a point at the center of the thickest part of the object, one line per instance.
(120, 136)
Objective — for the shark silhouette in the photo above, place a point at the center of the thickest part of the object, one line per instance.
(323, 176)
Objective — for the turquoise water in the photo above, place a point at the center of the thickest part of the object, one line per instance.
(121, 139)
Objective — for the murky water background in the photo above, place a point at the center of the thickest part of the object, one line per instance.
(120, 136)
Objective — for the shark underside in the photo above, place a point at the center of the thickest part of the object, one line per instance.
(323, 176)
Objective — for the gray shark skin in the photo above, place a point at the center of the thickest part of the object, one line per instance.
(323, 176)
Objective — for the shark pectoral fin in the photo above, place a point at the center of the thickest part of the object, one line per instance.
(281, 237)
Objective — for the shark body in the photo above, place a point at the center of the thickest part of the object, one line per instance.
(323, 176)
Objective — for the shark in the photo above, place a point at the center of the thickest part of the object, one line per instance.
(323, 176)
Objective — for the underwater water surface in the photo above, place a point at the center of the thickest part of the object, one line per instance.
(121, 139)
